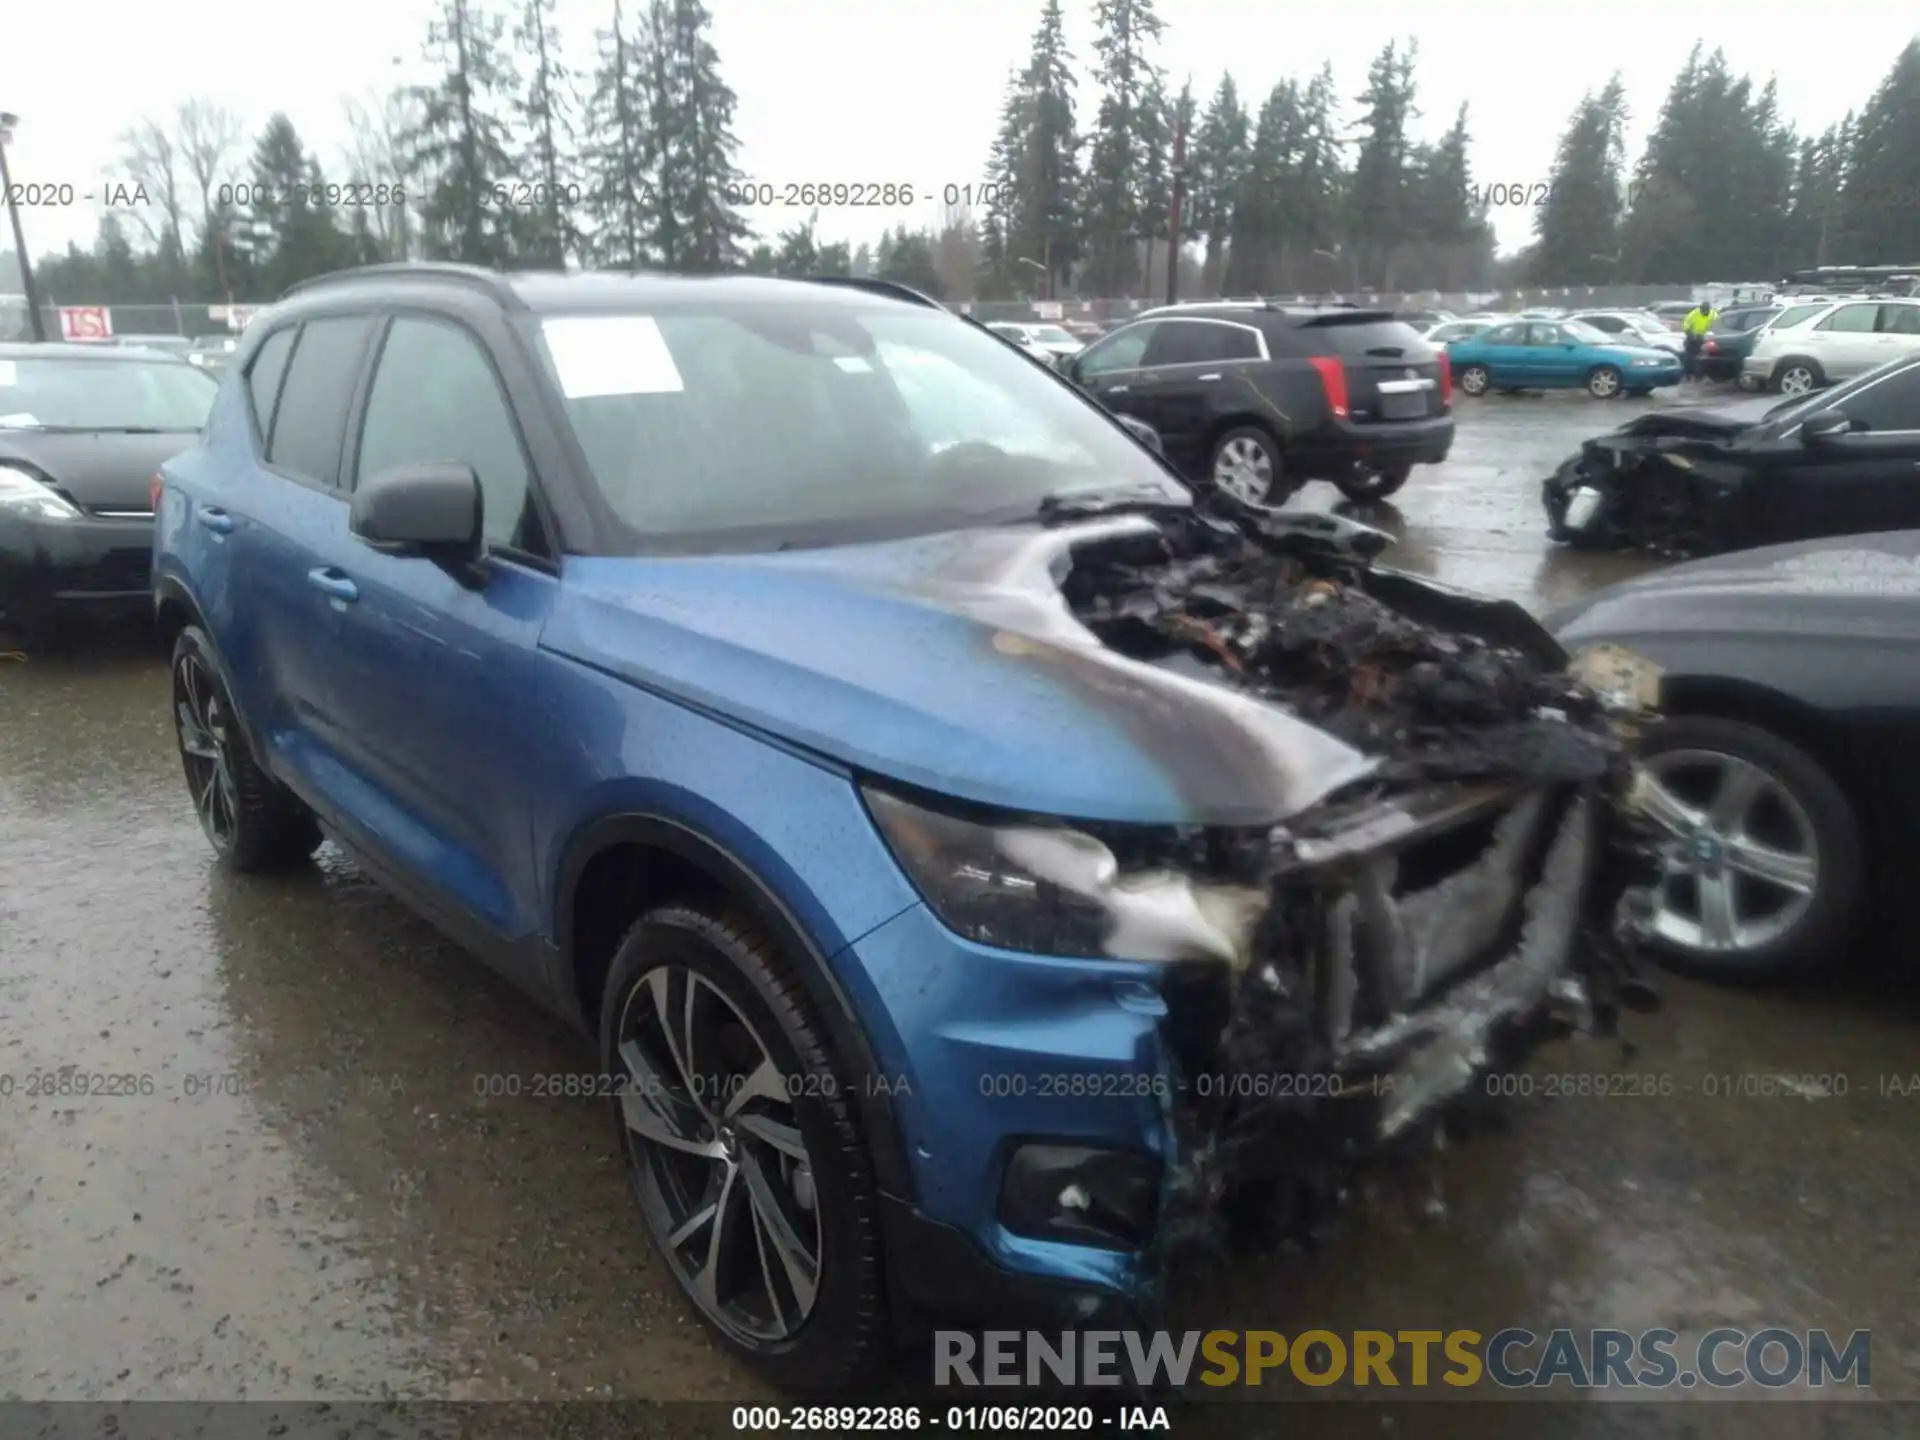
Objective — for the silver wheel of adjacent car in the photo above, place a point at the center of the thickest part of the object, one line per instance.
(1604, 383)
(1474, 380)
(723, 1171)
(1244, 465)
(1797, 379)
(1741, 862)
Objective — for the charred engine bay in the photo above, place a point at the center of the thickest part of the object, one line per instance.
(1670, 493)
(1409, 961)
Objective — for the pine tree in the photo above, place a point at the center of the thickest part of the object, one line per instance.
(621, 155)
(1258, 228)
(1379, 211)
(304, 237)
(696, 227)
(1219, 162)
(1577, 228)
(462, 142)
(906, 257)
(1881, 198)
(1317, 188)
(1125, 29)
(546, 114)
(1036, 158)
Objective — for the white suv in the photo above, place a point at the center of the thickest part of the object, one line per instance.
(1822, 342)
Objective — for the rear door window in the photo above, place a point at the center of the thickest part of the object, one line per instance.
(1851, 319)
(1505, 335)
(310, 421)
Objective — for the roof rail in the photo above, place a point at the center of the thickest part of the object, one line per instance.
(494, 282)
(873, 285)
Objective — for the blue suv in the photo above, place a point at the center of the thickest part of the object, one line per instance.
(979, 865)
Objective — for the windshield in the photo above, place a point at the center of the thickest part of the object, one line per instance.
(749, 426)
(130, 394)
(1052, 335)
(1586, 334)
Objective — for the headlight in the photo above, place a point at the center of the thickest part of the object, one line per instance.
(1624, 681)
(1049, 889)
(22, 494)
(1653, 360)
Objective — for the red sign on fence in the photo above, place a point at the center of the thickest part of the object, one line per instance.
(86, 322)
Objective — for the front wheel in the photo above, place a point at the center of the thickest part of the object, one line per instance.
(1375, 484)
(1247, 466)
(1797, 377)
(1761, 856)
(742, 1146)
(1604, 382)
(1474, 380)
(251, 822)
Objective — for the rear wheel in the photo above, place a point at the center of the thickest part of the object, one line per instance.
(1761, 860)
(1604, 382)
(1364, 485)
(1748, 383)
(742, 1146)
(1474, 379)
(252, 822)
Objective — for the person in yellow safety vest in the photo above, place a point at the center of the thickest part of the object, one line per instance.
(1699, 320)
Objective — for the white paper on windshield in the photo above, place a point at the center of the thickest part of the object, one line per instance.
(18, 422)
(9, 374)
(610, 355)
(853, 364)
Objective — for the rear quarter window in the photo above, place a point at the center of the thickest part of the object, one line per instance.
(263, 379)
(310, 421)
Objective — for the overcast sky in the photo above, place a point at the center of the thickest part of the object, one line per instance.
(882, 90)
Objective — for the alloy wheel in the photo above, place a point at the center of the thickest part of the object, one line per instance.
(1244, 469)
(1796, 380)
(1604, 383)
(1473, 380)
(1739, 863)
(723, 1171)
(202, 723)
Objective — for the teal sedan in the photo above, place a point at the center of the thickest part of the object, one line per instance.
(1558, 355)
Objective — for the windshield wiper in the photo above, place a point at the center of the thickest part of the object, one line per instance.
(1075, 503)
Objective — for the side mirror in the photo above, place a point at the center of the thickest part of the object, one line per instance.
(431, 509)
(1825, 427)
(1070, 367)
(1143, 432)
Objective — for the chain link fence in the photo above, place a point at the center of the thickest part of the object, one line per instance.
(172, 318)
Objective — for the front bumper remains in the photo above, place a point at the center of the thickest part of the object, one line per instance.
(92, 562)
(1635, 491)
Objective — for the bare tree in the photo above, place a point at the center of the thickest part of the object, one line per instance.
(208, 135)
(376, 155)
(150, 163)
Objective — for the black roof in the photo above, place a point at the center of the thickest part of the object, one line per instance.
(541, 291)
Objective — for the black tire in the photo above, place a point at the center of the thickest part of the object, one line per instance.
(1604, 382)
(1816, 377)
(1474, 379)
(252, 822)
(1366, 485)
(844, 1334)
(1823, 930)
(1280, 486)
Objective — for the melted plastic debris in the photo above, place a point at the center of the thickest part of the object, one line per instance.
(1298, 626)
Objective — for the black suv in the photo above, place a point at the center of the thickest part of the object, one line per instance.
(1257, 399)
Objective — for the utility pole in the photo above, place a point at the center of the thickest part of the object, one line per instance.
(1174, 210)
(34, 317)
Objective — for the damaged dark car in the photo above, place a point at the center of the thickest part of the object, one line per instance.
(1698, 480)
(985, 873)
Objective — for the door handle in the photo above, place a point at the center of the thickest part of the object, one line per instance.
(216, 520)
(1116, 389)
(1214, 376)
(333, 583)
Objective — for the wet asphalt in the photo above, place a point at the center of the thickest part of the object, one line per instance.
(298, 1191)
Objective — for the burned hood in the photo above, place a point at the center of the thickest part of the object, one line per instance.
(1851, 588)
(1707, 422)
(951, 663)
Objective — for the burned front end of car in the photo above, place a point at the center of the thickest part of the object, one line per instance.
(1671, 493)
(1477, 891)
